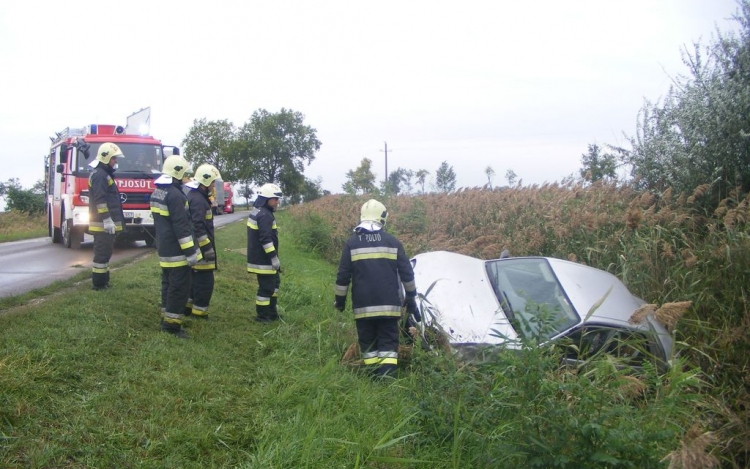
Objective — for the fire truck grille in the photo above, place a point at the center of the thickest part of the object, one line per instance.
(135, 197)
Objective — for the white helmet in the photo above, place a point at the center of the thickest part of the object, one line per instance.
(107, 151)
(270, 191)
(175, 166)
(206, 174)
(372, 210)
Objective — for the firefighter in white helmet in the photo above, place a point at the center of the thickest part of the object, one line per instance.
(263, 252)
(105, 211)
(202, 275)
(375, 264)
(175, 243)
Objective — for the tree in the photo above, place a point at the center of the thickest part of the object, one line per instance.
(275, 147)
(596, 165)
(399, 181)
(490, 174)
(511, 177)
(445, 178)
(312, 189)
(360, 180)
(30, 201)
(211, 142)
(699, 132)
(421, 176)
(246, 190)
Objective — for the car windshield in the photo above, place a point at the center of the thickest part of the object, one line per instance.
(139, 159)
(531, 297)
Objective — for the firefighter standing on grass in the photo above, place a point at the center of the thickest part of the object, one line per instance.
(174, 243)
(105, 212)
(202, 281)
(375, 263)
(263, 252)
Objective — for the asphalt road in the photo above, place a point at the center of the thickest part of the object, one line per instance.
(36, 263)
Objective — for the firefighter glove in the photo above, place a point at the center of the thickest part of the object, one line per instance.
(411, 308)
(109, 226)
(192, 259)
(276, 263)
(339, 303)
(210, 255)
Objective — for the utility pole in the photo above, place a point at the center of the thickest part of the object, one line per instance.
(385, 182)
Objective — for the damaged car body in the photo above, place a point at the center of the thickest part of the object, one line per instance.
(476, 307)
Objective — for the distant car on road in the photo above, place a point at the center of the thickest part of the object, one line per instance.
(474, 306)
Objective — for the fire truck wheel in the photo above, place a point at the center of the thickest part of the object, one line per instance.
(71, 237)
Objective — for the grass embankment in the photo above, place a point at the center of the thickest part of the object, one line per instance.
(87, 380)
(15, 226)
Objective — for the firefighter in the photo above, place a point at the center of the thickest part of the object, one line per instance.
(375, 263)
(175, 244)
(105, 212)
(263, 252)
(202, 282)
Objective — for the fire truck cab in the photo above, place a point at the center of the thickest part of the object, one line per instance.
(67, 175)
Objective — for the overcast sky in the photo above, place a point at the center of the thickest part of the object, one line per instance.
(508, 84)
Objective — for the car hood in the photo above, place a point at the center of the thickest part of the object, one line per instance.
(464, 304)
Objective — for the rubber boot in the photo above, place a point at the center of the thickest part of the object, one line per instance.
(274, 312)
(263, 314)
(174, 329)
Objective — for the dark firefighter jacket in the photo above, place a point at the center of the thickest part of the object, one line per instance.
(203, 225)
(104, 199)
(174, 231)
(262, 240)
(374, 262)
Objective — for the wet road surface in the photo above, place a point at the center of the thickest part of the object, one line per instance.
(35, 263)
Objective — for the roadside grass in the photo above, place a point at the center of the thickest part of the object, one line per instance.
(15, 226)
(87, 380)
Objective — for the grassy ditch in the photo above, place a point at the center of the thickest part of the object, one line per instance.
(667, 248)
(87, 380)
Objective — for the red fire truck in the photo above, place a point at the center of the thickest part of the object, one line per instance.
(67, 171)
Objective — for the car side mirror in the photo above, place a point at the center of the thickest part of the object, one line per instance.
(60, 168)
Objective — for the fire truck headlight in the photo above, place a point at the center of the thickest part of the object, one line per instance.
(84, 199)
(81, 218)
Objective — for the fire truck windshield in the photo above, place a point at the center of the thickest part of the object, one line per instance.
(140, 159)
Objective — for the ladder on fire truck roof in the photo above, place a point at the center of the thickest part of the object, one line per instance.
(68, 132)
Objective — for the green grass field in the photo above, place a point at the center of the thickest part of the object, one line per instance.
(88, 381)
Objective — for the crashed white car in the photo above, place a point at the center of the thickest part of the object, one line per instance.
(476, 306)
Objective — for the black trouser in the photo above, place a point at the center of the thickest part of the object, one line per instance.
(202, 290)
(268, 292)
(104, 244)
(175, 290)
(378, 342)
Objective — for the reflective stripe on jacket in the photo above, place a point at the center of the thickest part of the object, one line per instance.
(374, 262)
(202, 219)
(104, 199)
(262, 241)
(174, 231)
